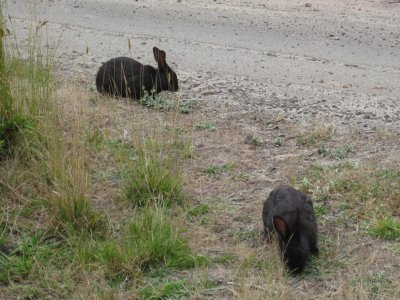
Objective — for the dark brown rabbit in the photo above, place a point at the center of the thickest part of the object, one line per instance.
(290, 214)
(126, 77)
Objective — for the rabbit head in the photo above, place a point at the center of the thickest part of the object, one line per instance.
(293, 245)
(166, 79)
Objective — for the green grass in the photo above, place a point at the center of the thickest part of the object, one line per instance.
(277, 141)
(342, 152)
(315, 137)
(205, 126)
(199, 210)
(157, 242)
(213, 170)
(154, 179)
(386, 228)
(150, 241)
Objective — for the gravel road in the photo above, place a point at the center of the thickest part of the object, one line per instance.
(333, 61)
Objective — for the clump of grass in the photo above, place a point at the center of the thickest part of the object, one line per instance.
(184, 148)
(157, 242)
(151, 241)
(76, 215)
(315, 137)
(205, 126)
(342, 152)
(277, 142)
(154, 179)
(387, 228)
(214, 170)
(199, 210)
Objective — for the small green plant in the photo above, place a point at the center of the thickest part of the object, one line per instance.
(322, 150)
(386, 228)
(205, 126)
(241, 176)
(199, 210)
(342, 152)
(320, 209)
(315, 137)
(214, 170)
(277, 142)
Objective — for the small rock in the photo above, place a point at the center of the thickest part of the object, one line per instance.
(249, 139)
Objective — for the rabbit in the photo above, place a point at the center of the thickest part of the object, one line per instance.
(126, 77)
(290, 214)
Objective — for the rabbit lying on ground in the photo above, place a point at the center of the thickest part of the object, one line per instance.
(290, 214)
(126, 77)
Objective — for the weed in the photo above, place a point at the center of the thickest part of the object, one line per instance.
(277, 142)
(254, 140)
(199, 210)
(320, 209)
(205, 126)
(342, 152)
(241, 176)
(214, 170)
(387, 228)
(322, 150)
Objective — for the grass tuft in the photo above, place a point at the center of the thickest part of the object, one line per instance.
(154, 179)
(157, 242)
(386, 228)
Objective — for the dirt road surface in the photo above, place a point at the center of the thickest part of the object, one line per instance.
(334, 61)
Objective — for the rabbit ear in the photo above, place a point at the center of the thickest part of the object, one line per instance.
(159, 55)
(281, 227)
